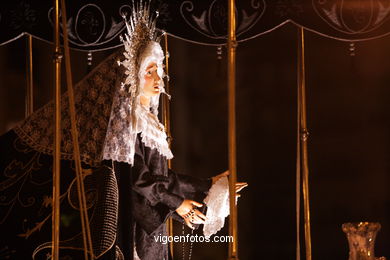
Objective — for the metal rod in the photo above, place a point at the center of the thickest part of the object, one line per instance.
(232, 44)
(86, 233)
(29, 101)
(166, 108)
(304, 137)
(298, 161)
(167, 124)
(57, 137)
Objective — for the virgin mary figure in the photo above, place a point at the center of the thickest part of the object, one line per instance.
(130, 190)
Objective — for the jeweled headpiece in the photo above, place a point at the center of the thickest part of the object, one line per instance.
(141, 31)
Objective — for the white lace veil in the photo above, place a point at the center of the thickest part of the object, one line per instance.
(129, 117)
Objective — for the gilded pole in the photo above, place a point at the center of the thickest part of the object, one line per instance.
(232, 45)
(29, 99)
(167, 123)
(304, 134)
(57, 136)
(298, 171)
(165, 98)
(86, 233)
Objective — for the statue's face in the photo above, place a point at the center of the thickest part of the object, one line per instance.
(152, 80)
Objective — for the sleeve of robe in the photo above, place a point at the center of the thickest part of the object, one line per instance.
(150, 179)
(161, 190)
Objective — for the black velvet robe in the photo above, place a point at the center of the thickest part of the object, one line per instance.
(155, 195)
(127, 205)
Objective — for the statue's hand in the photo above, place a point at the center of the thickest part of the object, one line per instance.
(190, 214)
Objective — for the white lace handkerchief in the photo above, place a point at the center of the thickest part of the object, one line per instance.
(218, 209)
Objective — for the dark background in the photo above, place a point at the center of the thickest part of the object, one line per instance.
(348, 120)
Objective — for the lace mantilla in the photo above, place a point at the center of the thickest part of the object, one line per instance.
(105, 120)
(93, 101)
(218, 208)
(153, 132)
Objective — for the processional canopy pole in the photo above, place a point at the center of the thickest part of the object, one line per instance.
(29, 98)
(302, 156)
(166, 118)
(57, 135)
(165, 98)
(86, 232)
(232, 44)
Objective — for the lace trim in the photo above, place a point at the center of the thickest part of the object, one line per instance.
(122, 148)
(153, 132)
(218, 208)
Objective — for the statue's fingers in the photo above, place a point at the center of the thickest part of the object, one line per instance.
(196, 203)
(188, 223)
(240, 186)
(200, 214)
(197, 220)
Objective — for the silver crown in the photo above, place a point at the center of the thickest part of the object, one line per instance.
(141, 29)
